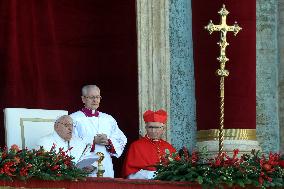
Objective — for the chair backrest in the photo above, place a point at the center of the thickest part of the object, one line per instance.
(24, 127)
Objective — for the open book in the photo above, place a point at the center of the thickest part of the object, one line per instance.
(87, 160)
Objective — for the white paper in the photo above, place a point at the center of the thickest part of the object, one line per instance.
(87, 161)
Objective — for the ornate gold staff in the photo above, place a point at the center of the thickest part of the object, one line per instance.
(222, 72)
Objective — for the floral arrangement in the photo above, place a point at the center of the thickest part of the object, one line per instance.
(253, 169)
(47, 165)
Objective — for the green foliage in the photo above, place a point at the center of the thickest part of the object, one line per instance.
(253, 169)
(41, 164)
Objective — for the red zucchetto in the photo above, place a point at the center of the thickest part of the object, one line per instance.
(158, 116)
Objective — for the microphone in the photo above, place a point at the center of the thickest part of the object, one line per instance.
(84, 151)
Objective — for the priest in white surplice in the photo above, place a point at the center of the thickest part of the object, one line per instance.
(99, 129)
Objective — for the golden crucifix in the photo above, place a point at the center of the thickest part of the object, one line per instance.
(222, 72)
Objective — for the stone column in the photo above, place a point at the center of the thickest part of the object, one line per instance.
(153, 58)
(281, 71)
(183, 115)
(267, 75)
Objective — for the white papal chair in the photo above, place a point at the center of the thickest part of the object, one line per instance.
(25, 127)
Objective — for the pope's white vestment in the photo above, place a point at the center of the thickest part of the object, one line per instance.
(88, 127)
(76, 143)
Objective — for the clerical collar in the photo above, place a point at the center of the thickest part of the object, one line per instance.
(153, 140)
(89, 112)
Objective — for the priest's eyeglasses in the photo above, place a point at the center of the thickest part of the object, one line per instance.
(93, 97)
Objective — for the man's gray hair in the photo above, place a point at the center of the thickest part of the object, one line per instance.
(61, 118)
(87, 87)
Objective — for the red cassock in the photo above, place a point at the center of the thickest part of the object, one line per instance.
(144, 154)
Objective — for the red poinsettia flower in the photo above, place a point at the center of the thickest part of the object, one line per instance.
(194, 157)
(15, 148)
(266, 167)
(23, 172)
(177, 158)
(281, 163)
(8, 168)
(55, 167)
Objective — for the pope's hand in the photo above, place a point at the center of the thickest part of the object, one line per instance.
(101, 139)
(89, 169)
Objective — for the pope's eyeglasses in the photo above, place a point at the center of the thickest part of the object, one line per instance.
(66, 124)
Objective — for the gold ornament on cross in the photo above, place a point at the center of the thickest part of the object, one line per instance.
(222, 72)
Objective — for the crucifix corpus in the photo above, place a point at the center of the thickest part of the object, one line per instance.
(222, 72)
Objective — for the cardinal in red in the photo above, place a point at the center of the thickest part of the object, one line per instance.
(149, 150)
